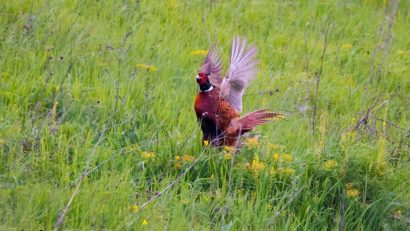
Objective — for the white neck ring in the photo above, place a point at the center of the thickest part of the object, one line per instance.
(210, 89)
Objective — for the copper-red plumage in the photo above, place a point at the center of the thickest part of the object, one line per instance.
(219, 101)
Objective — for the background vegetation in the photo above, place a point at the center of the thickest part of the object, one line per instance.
(97, 129)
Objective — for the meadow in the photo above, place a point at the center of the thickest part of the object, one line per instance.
(98, 131)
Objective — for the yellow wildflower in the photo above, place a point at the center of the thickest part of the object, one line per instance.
(185, 201)
(352, 193)
(134, 208)
(347, 138)
(398, 214)
(281, 147)
(188, 158)
(349, 185)
(149, 68)
(152, 68)
(287, 157)
(180, 160)
(323, 122)
(350, 82)
(246, 165)
(240, 192)
(346, 46)
(148, 155)
(286, 171)
(381, 156)
(178, 165)
(199, 52)
(206, 142)
(227, 156)
(330, 164)
(229, 149)
(344, 137)
(274, 147)
(272, 171)
(132, 148)
(320, 144)
(145, 222)
(275, 156)
(142, 66)
(252, 142)
(256, 166)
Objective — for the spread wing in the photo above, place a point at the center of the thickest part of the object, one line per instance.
(213, 66)
(241, 70)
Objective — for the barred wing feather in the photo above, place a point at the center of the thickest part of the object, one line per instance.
(213, 66)
(241, 70)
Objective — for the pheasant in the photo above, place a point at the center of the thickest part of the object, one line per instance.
(219, 100)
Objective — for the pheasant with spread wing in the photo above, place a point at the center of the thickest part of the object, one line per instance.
(219, 100)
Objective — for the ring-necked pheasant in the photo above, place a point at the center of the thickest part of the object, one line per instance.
(219, 100)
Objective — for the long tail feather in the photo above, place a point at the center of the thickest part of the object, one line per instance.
(253, 119)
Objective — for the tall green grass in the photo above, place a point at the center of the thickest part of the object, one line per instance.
(74, 99)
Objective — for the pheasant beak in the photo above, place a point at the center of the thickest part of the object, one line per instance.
(198, 79)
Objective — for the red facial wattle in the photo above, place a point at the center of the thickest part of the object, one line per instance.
(201, 78)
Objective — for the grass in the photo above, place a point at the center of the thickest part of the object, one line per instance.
(106, 88)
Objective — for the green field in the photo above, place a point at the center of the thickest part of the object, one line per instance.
(98, 131)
